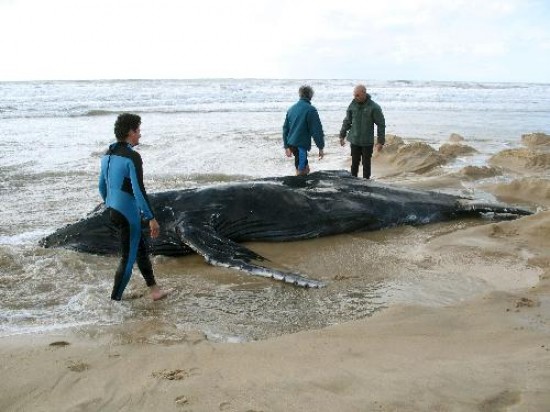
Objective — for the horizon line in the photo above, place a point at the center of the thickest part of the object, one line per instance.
(114, 79)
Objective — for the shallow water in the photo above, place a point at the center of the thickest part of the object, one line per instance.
(365, 273)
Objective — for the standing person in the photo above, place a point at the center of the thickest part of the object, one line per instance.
(301, 124)
(362, 114)
(121, 187)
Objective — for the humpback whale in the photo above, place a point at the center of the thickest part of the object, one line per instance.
(213, 220)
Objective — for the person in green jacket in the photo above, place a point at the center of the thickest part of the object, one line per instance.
(302, 123)
(362, 114)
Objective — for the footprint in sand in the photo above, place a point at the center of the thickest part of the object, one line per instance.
(59, 344)
(501, 401)
(181, 400)
(77, 366)
(174, 374)
(225, 406)
(526, 302)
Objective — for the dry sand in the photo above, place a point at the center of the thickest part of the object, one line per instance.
(489, 353)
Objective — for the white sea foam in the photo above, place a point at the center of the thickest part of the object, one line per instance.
(24, 238)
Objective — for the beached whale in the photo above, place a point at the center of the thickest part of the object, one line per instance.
(211, 221)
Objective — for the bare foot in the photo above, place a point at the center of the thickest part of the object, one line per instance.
(158, 294)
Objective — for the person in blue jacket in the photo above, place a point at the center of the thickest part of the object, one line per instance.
(121, 187)
(302, 123)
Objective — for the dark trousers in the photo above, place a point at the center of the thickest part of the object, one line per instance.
(143, 261)
(358, 154)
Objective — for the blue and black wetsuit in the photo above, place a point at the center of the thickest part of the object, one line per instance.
(121, 187)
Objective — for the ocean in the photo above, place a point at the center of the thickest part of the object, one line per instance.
(202, 132)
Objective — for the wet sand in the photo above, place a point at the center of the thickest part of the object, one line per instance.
(486, 348)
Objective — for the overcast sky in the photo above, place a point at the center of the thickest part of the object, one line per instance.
(473, 40)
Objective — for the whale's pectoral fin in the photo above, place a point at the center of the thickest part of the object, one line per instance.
(207, 242)
(220, 251)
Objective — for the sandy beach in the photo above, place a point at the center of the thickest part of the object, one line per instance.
(490, 352)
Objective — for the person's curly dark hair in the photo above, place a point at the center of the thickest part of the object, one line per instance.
(124, 123)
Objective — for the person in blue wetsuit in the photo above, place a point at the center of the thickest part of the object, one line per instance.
(121, 187)
(302, 122)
